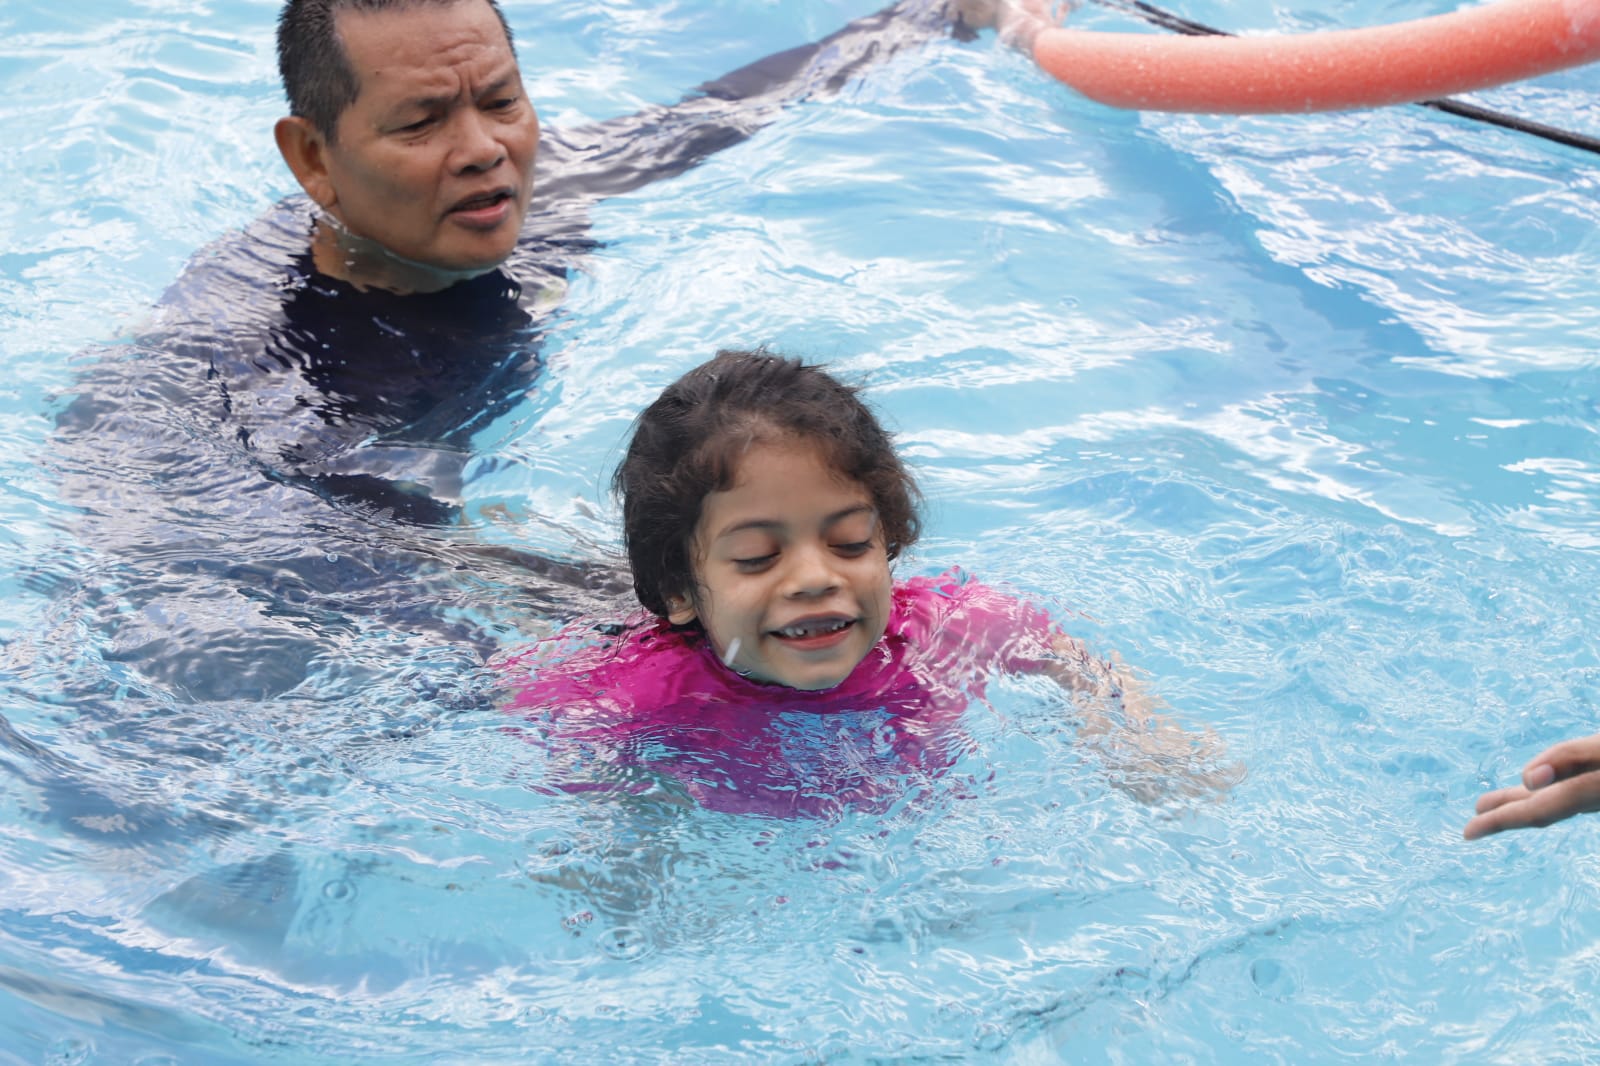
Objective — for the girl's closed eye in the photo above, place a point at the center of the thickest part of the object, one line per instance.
(748, 551)
(855, 534)
(754, 564)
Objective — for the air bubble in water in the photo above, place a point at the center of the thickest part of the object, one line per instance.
(625, 943)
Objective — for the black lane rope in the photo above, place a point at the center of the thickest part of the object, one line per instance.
(1178, 24)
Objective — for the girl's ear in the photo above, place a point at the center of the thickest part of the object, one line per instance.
(680, 610)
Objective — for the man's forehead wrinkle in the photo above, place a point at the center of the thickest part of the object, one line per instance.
(444, 82)
(443, 87)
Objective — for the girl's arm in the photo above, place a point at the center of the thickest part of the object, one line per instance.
(1149, 755)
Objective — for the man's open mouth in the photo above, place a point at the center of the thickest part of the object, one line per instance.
(483, 201)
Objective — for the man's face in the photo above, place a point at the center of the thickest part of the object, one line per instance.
(434, 159)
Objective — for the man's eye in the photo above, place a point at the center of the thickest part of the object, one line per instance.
(501, 104)
(414, 127)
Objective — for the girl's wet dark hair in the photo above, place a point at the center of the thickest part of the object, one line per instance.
(687, 444)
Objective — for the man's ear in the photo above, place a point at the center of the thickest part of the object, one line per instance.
(680, 610)
(305, 149)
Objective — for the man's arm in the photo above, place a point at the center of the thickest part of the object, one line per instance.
(620, 155)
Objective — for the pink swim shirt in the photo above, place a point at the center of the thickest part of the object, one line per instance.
(656, 699)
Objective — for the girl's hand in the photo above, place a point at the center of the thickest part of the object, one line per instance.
(1556, 784)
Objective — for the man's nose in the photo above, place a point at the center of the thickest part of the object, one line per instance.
(476, 148)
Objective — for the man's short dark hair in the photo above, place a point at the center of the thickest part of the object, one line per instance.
(316, 71)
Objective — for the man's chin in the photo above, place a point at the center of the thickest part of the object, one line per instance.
(434, 272)
(366, 262)
(471, 263)
(464, 254)
(479, 250)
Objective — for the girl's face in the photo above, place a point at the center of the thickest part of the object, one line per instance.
(792, 571)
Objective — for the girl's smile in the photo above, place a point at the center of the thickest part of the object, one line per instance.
(792, 575)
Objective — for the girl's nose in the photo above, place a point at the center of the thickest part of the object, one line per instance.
(811, 572)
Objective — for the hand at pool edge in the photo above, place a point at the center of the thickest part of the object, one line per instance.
(1559, 782)
(1017, 22)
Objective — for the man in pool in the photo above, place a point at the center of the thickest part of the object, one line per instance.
(353, 340)
(280, 454)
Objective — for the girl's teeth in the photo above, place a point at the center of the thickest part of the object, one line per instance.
(811, 630)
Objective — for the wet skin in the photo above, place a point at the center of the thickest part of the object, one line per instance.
(430, 175)
(793, 576)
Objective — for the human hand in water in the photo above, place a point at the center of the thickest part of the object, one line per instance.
(1150, 756)
(1557, 783)
(1017, 22)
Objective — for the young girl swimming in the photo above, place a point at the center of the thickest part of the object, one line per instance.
(763, 504)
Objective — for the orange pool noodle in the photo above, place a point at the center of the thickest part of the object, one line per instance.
(1336, 70)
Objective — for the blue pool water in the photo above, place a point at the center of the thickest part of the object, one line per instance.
(1299, 416)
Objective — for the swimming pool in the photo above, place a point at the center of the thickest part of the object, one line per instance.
(1299, 414)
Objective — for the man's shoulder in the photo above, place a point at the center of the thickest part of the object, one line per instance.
(261, 259)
